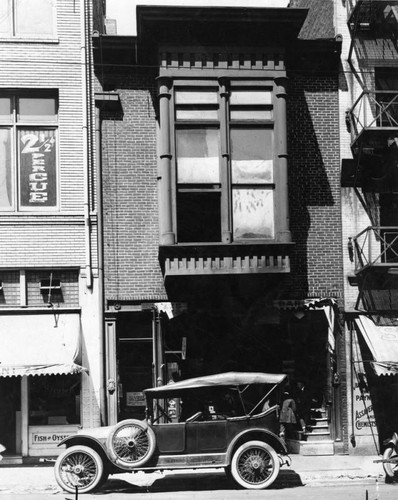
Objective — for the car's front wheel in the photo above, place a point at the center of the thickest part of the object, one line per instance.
(390, 468)
(81, 467)
(255, 465)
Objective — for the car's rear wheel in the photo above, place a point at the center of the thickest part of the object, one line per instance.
(81, 467)
(390, 468)
(255, 465)
(131, 443)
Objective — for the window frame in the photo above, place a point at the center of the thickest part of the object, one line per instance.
(225, 125)
(15, 124)
(12, 25)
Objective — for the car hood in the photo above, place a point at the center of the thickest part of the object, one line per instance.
(95, 432)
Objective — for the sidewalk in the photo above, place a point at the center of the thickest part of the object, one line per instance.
(305, 471)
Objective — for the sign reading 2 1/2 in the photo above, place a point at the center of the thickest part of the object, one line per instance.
(38, 173)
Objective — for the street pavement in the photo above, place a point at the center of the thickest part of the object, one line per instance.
(305, 471)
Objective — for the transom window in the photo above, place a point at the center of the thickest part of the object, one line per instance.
(25, 18)
(28, 164)
(224, 162)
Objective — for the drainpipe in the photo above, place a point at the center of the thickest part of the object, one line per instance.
(86, 99)
(100, 250)
(87, 162)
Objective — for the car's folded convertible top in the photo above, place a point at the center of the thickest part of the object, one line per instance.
(220, 379)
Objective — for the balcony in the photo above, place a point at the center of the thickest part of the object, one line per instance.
(376, 248)
(373, 122)
(373, 119)
(366, 14)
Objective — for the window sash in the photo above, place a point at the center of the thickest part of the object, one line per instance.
(252, 213)
(5, 18)
(248, 184)
(28, 152)
(197, 153)
(27, 18)
(6, 170)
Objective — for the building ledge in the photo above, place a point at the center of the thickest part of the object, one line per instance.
(184, 260)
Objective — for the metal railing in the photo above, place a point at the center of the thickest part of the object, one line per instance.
(376, 246)
(374, 110)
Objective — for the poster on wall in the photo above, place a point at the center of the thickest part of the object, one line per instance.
(38, 172)
(364, 421)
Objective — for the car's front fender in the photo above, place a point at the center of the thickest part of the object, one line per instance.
(82, 440)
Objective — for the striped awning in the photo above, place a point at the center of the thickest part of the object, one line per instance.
(39, 344)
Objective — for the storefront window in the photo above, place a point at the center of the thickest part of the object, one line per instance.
(54, 399)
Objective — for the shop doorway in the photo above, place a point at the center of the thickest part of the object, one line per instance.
(134, 351)
(10, 414)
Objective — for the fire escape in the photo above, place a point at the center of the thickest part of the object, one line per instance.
(373, 173)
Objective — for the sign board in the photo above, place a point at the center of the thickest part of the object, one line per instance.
(135, 399)
(38, 171)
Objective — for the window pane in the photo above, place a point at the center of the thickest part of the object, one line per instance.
(197, 114)
(250, 97)
(198, 156)
(196, 97)
(34, 17)
(5, 17)
(37, 168)
(5, 109)
(253, 213)
(34, 108)
(5, 169)
(54, 400)
(251, 114)
(251, 155)
(198, 217)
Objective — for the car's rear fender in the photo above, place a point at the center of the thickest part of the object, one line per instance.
(256, 434)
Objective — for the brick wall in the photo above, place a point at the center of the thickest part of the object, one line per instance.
(314, 180)
(131, 231)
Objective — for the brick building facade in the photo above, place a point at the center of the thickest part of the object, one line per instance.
(51, 362)
(187, 293)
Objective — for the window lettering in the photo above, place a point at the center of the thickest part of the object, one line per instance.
(28, 180)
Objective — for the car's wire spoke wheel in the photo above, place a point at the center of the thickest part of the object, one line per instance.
(81, 467)
(390, 468)
(131, 443)
(255, 465)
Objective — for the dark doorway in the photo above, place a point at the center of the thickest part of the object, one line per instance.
(10, 414)
(134, 359)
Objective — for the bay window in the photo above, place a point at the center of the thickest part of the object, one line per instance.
(224, 161)
(27, 18)
(28, 159)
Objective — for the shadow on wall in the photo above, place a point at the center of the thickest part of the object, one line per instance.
(314, 173)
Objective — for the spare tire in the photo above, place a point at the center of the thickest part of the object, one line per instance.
(131, 443)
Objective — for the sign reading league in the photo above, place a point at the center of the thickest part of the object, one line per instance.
(38, 173)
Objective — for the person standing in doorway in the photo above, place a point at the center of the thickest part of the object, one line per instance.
(303, 402)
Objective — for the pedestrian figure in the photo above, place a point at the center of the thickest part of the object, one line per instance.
(303, 402)
(287, 418)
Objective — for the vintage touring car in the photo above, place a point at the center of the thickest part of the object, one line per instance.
(227, 420)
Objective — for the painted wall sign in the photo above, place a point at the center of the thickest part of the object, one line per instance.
(49, 438)
(38, 171)
(363, 414)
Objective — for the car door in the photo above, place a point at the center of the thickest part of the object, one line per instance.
(206, 437)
